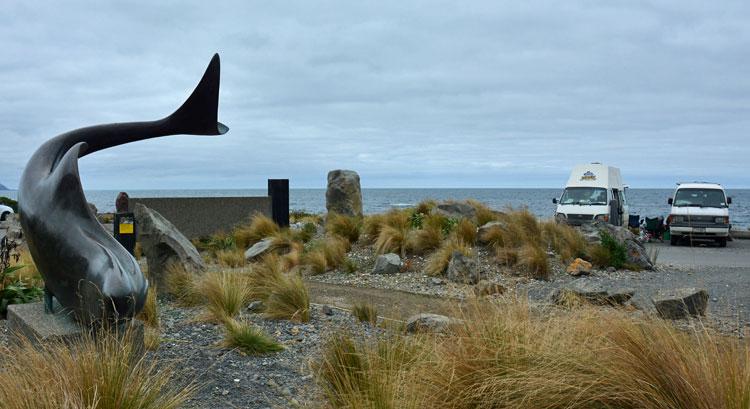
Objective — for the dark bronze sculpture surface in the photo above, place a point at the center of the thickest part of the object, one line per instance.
(83, 266)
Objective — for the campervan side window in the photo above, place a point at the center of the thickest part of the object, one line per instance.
(584, 196)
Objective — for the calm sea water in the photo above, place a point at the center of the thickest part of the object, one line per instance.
(644, 202)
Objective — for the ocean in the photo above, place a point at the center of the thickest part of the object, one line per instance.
(643, 202)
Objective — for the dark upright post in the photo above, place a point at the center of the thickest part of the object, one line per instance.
(278, 189)
(125, 230)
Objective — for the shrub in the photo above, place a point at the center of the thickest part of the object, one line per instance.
(231, 258)
(534, 261)
(609, 253)
(346, 227)
(438, 261)
(106, 373)
(365, 313)
(259, 228)
(298, 215)
(416, 220)
(226, 292)
(249, 339)
(183, 286)
(394, 233)
(14, 289)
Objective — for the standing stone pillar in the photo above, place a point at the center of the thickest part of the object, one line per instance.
(344, 195)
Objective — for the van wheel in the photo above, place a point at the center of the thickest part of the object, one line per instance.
(722, 242)
(674, 240)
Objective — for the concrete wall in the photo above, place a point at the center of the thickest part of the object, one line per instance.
(202, 216)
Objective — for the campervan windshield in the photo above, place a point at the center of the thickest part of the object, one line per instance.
(699, 198)
(584, 196)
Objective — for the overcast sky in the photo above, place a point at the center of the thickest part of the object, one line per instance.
(407, 93)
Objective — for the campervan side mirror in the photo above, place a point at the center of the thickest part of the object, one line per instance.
(669, 201)
(729, 200)
(554, 200)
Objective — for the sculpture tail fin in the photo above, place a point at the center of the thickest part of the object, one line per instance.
(198, 114)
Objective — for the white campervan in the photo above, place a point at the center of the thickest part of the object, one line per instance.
(594, 192)
(700, 210)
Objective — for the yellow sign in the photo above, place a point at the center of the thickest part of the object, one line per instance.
(126, 228)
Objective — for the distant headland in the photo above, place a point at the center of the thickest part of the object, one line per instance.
(2, 187)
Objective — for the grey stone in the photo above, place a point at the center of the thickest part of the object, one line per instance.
(258, 249)
(164, 245)
(456, 210)
(437, 281)
(327, 310)
(30, 322)
(620, 295)
(387, 264)
(484, 288)
(256, 306)
(635, 250)
(593, 294)
(681, 302)
(463, 269)
(427, 322)
(344, 194)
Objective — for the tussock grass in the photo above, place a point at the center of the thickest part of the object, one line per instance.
(425, 207)
(284, 294)
(564, 240)
(231, 258)
(393, 236)
(249, 339)
(150, 312)
(259, 228)
(184, 286)
(466, 231)
(365, 313)
(226, 292)
(438, 261)
(326, 254)
(534, 261)
(429, 237)
(214, 243)
(371, 226)
(151, 338)
(347, 227)
(484, 214)
(106, 373)
(506, 355)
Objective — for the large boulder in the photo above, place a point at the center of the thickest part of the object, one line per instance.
(426, 322)
(456, 210)
(344, 195)
(681, 303)
(579, 267)
(636, 251)
(258, 249)
(387, 264)
(591, 293)
(463, 269)
(164, 245)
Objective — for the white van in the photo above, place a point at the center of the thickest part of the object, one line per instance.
(700, 210)
(594, 192)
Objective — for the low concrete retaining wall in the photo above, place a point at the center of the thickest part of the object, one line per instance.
(203, 216)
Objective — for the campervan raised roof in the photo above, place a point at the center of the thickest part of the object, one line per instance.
(594, 192)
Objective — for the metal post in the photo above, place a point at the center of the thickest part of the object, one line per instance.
(124, 230)
(278, 190)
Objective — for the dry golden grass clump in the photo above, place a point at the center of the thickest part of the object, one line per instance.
(226, 293)
(259, 228)
(534, 261)
(564, 240)
(150, 312)
(347, 227)
(371, 226)
(106, 373)
(248, 338)
(365, 313)
(284, 294)
(504, 355)
(484, 214)
(326, 254)
(430, 236)
(438, 261)
(184, 286)
(231, 258)
(394, 233)
(466, 231)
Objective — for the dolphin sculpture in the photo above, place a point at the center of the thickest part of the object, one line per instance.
(83, 266)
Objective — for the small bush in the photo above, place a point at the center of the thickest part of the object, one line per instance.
(416, 220)
(248, 339)
(609, 253)
(347, 227)
(16, 287)
(534, 261)
(231, 258)
(438, 261)
(214, 243)
(350, 266)
(298, 215)
(226, 292)
(183, 286)
(315, 259)
(259, 228)
(365, 313)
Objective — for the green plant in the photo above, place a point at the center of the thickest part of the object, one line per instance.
(416, 220)
(13, 288)
(350, 266)
(231, 258)
(365, 313)
(617, 253)
(449, 223)
(249, 339)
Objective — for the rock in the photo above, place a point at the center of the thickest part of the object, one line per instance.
(484, 288)
(258, 249)
(636, 251)
(620, 295)
(437, 281)
(343, 194)
(122, 202)
(427, 322)
(457, 210)
(387, 264)
(256, 306)
(681, 303)
(592, 294)
(579, 267)
(611, 269)
(463, 269)
(163, 245)
(327, 310)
